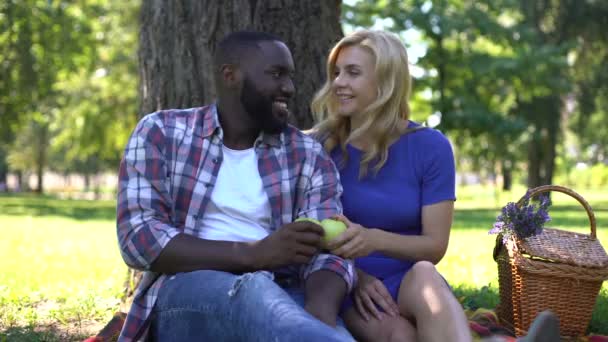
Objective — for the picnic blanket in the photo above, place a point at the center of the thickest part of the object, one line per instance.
(483, 323)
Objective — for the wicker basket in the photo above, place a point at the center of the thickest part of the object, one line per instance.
(556, 270)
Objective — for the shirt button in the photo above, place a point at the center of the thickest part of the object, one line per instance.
(216, 160)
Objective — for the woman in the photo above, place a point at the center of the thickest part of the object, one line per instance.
(399, 192)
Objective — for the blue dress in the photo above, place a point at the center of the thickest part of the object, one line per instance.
(419, 171)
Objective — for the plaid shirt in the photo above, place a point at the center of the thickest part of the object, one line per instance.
(166, 177)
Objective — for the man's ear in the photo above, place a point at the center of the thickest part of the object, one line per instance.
(230, 75)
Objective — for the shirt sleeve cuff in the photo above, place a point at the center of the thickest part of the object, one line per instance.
(329, 262)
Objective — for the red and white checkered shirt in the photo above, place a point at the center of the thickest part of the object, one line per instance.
(168, 170)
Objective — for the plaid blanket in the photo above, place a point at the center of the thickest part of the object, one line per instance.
(483, 323)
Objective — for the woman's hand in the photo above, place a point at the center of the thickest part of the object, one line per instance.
(369, 294)
(355, 241)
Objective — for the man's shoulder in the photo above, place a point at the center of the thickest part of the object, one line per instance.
(186, 115)
(301, 139)
(177, 122)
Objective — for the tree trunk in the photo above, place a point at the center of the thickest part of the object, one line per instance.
(534, 158)
(553, 132)
(42, 141)
(3, 179)
(19, 187)
(3, 170)
(87, 181)
(544, 113)
(507, 175)
(178, 39)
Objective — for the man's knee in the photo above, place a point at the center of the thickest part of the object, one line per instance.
(259, 281)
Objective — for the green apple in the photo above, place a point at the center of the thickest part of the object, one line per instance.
(332, 229)
(300, 219)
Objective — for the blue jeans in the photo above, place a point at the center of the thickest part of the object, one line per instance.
(220, 306)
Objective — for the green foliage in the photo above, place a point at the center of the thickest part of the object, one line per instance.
(39, 41)
(69, 83)
(595, 177)
(497, 71)
(98, 110)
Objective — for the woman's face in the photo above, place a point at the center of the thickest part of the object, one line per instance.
(354, 81)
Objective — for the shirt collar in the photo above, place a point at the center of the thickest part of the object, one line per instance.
(273, 140)
(211, 122)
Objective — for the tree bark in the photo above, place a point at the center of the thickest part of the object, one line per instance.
(507, 175)
(41, 149)
(178, 38)
(534, 160)
(3, 170)
(544, 114)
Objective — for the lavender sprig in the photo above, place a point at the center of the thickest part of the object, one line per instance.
(523, 221)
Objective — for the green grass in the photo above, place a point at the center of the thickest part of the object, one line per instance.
(61, 275)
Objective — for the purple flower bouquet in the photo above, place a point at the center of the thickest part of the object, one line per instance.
(522, 219)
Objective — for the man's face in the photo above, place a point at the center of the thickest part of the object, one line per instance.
(268, 86)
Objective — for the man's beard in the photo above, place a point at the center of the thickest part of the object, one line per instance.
(260, 109)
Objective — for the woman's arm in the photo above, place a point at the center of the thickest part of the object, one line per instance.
(431, 245)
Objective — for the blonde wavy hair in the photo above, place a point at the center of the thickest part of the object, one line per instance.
(383, 115)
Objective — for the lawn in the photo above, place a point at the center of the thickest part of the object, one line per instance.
(61, 275)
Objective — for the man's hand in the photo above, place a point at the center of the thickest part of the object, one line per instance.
(293, 243)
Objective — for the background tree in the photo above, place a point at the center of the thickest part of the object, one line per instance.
(68, 91)
(39, 40)
(178, 39)
(99, 102)
(500, 73)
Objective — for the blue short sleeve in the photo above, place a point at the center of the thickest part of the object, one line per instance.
(439, 174)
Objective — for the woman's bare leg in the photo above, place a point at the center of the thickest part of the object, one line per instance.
(389, 329)
(425, 297)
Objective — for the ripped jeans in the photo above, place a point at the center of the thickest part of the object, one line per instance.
(220, 306)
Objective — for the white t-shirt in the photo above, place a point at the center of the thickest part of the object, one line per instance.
(239, 209)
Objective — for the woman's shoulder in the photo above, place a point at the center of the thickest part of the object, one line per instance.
(424, 136)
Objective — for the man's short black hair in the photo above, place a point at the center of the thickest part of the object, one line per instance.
(238, 45)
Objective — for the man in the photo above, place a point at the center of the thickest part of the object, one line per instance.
(206, 204)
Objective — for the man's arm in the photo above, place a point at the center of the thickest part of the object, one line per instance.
(322, 200)
(186, 253)
(148, 240)
(327, 278)
(295, 243)
(143, 209)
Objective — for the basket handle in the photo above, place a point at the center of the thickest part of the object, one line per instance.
(546, 188)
